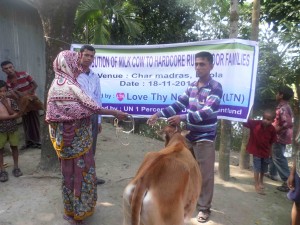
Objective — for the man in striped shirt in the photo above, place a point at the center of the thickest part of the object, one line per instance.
(22, 84)
(202, 100)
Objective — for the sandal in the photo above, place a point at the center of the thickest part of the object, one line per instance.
(17, 172)
(3, 176)
(283, 188)
(99, 181)
(203, 216)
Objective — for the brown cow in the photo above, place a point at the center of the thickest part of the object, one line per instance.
(166, 187)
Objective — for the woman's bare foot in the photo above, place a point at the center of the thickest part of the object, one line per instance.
(72, 221)
(69, 219)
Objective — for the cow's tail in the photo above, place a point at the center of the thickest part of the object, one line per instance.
(137, 201)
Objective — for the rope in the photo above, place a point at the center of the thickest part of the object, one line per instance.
(124, 128)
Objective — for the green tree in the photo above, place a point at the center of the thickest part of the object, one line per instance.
(283, 14)
(284, 18)
(165, 21)
(272, 70)
(57, 18)
(225, 140)
(106, 22)
(212, 19)
(244, 156)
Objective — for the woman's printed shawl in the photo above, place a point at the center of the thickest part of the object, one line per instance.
(66, 100)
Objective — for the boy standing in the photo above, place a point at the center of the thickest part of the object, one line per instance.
(283, 124)
(8, 132)
(262, 136)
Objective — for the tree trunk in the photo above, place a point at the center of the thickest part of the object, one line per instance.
(225, 140)
(224, 151)
(244, 155)
(255, 20)
(58, 23)
(244, 161)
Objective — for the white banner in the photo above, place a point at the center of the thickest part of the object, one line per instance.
(144, 79)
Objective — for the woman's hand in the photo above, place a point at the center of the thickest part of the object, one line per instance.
(121, 115)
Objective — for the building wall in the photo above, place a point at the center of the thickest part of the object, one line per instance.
(22, 41)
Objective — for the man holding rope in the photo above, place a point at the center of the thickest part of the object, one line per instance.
(202, 99)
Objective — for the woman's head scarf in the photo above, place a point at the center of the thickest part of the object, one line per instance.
(66, 100)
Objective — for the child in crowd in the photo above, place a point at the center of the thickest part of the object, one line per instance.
(8, 131)
(283, 124)
(293, 183)
(262, 136)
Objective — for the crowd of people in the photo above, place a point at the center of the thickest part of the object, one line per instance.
(17, 91)
(74, 109)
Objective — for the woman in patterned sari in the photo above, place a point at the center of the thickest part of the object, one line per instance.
(68, 114)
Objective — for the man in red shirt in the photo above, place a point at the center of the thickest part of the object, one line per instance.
(22, 84)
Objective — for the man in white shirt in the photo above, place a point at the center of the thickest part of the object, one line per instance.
(90, 83)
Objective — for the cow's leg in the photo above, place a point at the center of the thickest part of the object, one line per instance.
(127, 195)
(176, 217)
(154, 212)
(150, 214)
(193, 192)
(190, 207)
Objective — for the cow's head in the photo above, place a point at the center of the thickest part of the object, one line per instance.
(168, 132)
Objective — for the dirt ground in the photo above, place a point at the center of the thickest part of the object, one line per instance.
(35, 198)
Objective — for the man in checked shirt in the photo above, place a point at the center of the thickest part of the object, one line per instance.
(90, 83)
(202, 99)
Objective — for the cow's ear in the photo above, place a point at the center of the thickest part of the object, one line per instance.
(161, 133)
(164, 135)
